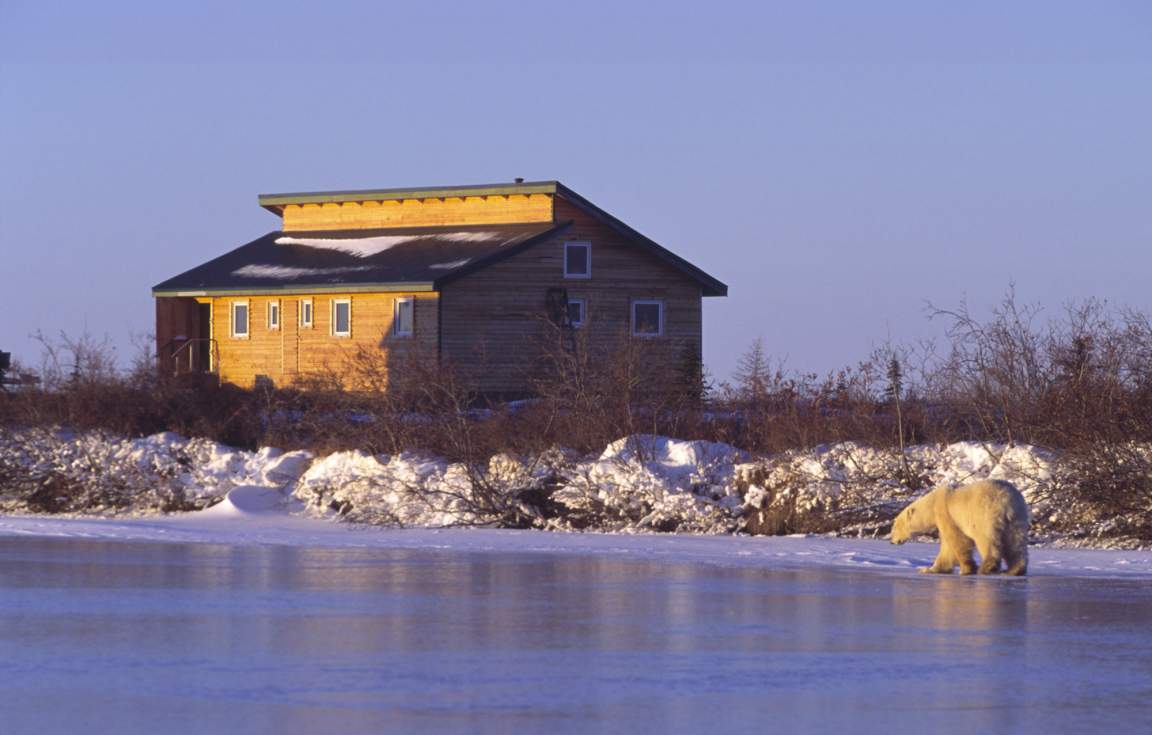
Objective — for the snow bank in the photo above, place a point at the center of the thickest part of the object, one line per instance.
(647, 482)
(405, 490)
(60, 471)
(247, 501)
(640, 483)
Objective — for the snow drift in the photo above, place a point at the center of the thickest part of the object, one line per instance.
(640, 483)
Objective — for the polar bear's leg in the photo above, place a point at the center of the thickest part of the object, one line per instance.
(962, 548)
(953, 539)
(990, 555)
(943, 564)
(1017, 565)
(1016, 551)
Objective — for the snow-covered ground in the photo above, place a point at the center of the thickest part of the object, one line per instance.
(639, 484)
(259, 516)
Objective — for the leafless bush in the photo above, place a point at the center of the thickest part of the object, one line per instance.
(34, 478)
(589, 393)
(1078, 383)
(81, 388)
(1082, 376)
(770, 409)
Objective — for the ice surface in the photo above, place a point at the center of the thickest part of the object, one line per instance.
(260, 615)
(281, 528)
(491, 632)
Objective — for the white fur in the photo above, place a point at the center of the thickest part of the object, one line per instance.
(990, 515)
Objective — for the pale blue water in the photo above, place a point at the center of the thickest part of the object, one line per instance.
(124, 637)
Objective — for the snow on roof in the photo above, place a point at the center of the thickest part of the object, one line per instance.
(363, 247)
(412, 255)
(450, 266)
(286, 272)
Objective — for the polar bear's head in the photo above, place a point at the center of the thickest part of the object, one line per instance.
(920, 517)
(900, 531)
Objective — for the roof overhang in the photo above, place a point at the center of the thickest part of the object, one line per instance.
(277, 202)
(299, 290)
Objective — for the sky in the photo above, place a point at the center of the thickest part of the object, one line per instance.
(838, 164)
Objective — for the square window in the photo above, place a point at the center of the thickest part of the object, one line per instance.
(306, 313)
(240, 319)
(342, 317)
(402, 322)
(273, 314)
(577, 260)
(647, 318)
(576, 311)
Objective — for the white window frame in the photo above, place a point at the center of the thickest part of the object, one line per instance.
(660, 318)
(396, 330)
(335, 302)
(247, 319)
(582, 244)
(274, 309)
(306, 323)
(583, 310)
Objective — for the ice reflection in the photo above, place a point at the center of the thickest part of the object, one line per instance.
(297, 639)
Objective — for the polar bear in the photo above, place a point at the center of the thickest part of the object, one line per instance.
(991, 515)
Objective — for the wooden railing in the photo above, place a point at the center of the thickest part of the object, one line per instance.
(199, 355)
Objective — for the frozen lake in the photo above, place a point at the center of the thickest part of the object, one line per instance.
(139, 636)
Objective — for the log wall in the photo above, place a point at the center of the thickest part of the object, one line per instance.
(494, 326)
(479, 210)
(293, 352)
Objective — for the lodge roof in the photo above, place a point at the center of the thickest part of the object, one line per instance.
(413, 258)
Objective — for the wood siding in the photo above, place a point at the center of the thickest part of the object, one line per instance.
(485, 210)
(493, 322)
(293, 352)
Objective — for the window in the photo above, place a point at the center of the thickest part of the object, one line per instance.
(341, 317)
(306, 313)
(273, 314)
(576, 312)
(647, 317)
(240, 319)
(402, 321)
(577, 260)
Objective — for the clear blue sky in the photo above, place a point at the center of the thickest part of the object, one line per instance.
(836, 163)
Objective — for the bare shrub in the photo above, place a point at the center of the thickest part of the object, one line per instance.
(1078, 384)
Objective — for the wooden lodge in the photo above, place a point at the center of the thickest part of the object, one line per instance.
(470, 274)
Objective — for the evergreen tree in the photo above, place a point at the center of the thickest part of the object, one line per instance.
(753, 375)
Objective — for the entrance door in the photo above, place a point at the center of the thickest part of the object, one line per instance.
(203, 347)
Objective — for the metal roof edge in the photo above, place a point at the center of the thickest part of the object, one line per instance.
(434, 192)
(298, 290)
